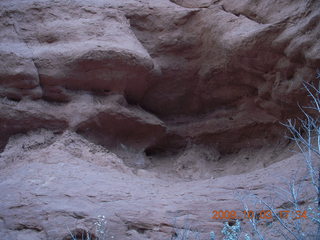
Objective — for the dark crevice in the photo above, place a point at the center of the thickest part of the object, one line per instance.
(140, 228)
(206, 5)
(16, 100)
(171, 144)
(238, 14)
(224, 9)
(18, 206)
(232, 223)
(22, 227)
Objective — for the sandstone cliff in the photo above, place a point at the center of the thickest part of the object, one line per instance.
(161, 83)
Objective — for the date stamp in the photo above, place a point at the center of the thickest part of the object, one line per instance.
(263, 214)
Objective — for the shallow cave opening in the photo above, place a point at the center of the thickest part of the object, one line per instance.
(162, 151)
(168, 146)
(14, 99)
(149, 152)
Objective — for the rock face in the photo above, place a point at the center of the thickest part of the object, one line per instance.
(51, 184)
(206, 68)
(159, 83)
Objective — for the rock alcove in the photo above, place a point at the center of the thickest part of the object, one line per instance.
(146, 111)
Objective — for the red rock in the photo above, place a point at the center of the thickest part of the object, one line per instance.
(184, 96)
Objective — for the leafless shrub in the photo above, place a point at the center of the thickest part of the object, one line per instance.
(305, 132)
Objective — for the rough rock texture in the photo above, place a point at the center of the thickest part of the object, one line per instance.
(206, 68)
(180, 90)
(50, 183)
(127, 125)
(16, 119)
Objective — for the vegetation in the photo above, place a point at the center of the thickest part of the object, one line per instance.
(305, 132)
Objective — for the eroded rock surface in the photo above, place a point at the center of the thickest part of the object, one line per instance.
(173, 90)
(184, 61)
(52, 183)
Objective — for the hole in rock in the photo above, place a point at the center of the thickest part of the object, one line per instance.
(231, 223)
